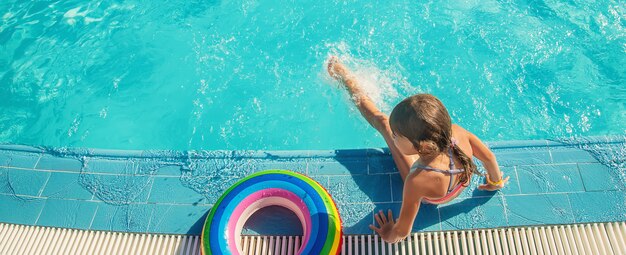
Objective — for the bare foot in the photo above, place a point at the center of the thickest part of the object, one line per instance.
(336, 69)
(342, 74)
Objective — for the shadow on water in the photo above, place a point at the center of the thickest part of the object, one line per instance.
(428, 218)
(196, 228)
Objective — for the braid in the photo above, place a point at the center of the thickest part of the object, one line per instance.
(467, 163)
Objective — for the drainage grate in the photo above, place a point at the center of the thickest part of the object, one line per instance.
(593, 238)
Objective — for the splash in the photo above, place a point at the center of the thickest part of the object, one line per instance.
(118, 189)
(210, 173)
(609, 151)
(74, 127)
(378, 84)
(75, 13)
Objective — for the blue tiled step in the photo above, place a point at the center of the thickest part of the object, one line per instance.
(550, 183)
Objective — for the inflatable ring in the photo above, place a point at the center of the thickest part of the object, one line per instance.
(312, 204)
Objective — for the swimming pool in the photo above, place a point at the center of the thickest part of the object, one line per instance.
(249, 74)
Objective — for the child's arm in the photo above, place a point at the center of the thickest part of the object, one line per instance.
(371, 113)
(484, 154)
(393, 231)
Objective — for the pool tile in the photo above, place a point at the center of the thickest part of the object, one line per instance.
(175, 219)
(299, 166)
(523, 157)
(48, 162)
(360, 189)
(67, 186)
(549, 178)
(67, 213)
(349, 153)
(287, 154)
(397, 187)
(333, 167)
(322, 180)
(599, 206)
(153, 166)
(598, 177)
(95, 165)
(4, 180)
(20, 210)
(118, 189)
(571, 155)
(126, 218)
(171, 190)
(23, 182)
(5, 158)
(19, 159)
(538, 209)
(555, 144)
(519, 144)
(356, 217)
(485, 212)
(168, 170)
(210, 187)
(381, 164)
(321, 154)
(427, 218)
(220, 167)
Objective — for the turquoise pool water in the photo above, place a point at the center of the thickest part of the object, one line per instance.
(250, 74)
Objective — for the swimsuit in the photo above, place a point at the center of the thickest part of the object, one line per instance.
(452, 191)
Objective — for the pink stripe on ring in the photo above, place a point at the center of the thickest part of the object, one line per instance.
(261, 199)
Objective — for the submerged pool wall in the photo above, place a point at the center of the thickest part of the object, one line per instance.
(552, 182)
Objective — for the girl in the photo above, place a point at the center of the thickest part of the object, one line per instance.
(429, 151)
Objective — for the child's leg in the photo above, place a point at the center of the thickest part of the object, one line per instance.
(371, 113)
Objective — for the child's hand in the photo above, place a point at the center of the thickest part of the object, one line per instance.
(488, 187)
(386, 225)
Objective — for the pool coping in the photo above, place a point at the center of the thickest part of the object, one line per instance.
(192, 154)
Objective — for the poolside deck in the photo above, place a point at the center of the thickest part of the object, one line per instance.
(596, 238)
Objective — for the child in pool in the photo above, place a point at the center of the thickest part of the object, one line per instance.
(432, 155)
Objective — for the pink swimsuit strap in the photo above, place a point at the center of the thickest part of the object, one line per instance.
(450, 194)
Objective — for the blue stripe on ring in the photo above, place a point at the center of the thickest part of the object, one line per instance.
(234, 197)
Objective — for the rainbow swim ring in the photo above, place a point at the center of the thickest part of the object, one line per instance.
(312, 204)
